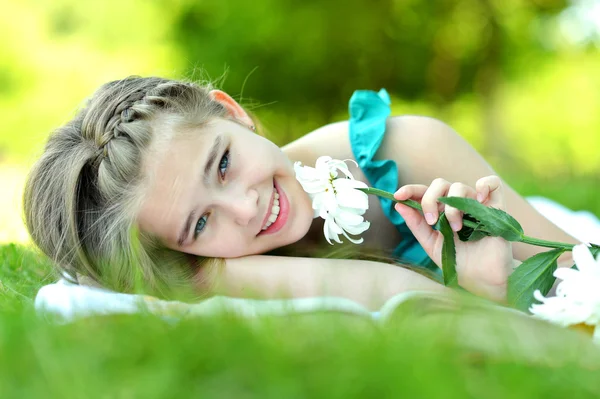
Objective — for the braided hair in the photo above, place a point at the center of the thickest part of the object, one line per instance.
(81, 196)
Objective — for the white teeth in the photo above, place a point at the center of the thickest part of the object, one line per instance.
(274, 211)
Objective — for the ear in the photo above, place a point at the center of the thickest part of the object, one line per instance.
(233, 108)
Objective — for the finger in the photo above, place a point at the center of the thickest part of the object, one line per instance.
(410, 191)
(429, 202)
(454, 215)
(490, 192)
(414, 192)
(424, 233)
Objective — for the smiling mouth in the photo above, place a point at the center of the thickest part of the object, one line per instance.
(278, 212)
(273, 212)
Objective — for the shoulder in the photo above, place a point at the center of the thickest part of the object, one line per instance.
(331, 139)
(409, 140)
(426, 148)
(326, 138)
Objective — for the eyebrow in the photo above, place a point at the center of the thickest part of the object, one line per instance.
(210, 162)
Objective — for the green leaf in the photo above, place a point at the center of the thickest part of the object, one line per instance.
(448, 253)
(595, 250)
(494, 221)
(533, 274)
(472, 233)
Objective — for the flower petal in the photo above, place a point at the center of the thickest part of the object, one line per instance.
(356, 211)
(348, 218)
(537, 294)
(350, 197)
(353, 240)
(356, 204)
(565, 273)
(332, 230)
(344, 183)
(585, 260)
(335, 165)
(322, 165)
(358, 229)
(329, 201)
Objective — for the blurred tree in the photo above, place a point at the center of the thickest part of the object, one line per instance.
(313, 54)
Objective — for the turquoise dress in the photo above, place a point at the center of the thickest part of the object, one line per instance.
(368, 113)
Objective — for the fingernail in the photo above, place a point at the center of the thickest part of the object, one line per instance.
(430, 218)
(455, 226)
(479, 197)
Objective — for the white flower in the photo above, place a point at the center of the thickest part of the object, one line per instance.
(335, 198)
(577, 297)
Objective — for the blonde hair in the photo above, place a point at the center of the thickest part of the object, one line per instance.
(80, 197)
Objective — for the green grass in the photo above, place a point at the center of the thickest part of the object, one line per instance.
(22, 273)
(425, 351)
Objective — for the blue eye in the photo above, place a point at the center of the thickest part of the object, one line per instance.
(224, 164)
(200, 225)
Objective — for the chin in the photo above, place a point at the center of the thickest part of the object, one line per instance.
(296, 233)
(299, 234)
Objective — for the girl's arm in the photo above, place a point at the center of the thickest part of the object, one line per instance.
(425, 149)
(482, 266)
(366, 282)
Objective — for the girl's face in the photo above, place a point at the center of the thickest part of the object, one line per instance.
(211, 192)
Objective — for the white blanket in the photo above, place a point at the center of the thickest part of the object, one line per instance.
(69, 301)
(582, 225)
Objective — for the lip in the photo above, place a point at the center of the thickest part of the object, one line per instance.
(284, 210)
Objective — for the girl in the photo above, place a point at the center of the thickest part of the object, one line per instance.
(166, 183)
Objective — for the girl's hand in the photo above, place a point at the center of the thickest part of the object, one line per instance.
(482, 266)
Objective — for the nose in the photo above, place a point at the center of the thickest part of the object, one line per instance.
(242, 207)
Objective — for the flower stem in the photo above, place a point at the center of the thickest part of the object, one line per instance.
(384, 194)
(547, 244)
(467, 223)
(410, 203)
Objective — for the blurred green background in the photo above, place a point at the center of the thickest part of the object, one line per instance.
(517, 78)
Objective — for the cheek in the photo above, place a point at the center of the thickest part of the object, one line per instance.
(249, 167)
(307, 215)
(303, 213)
